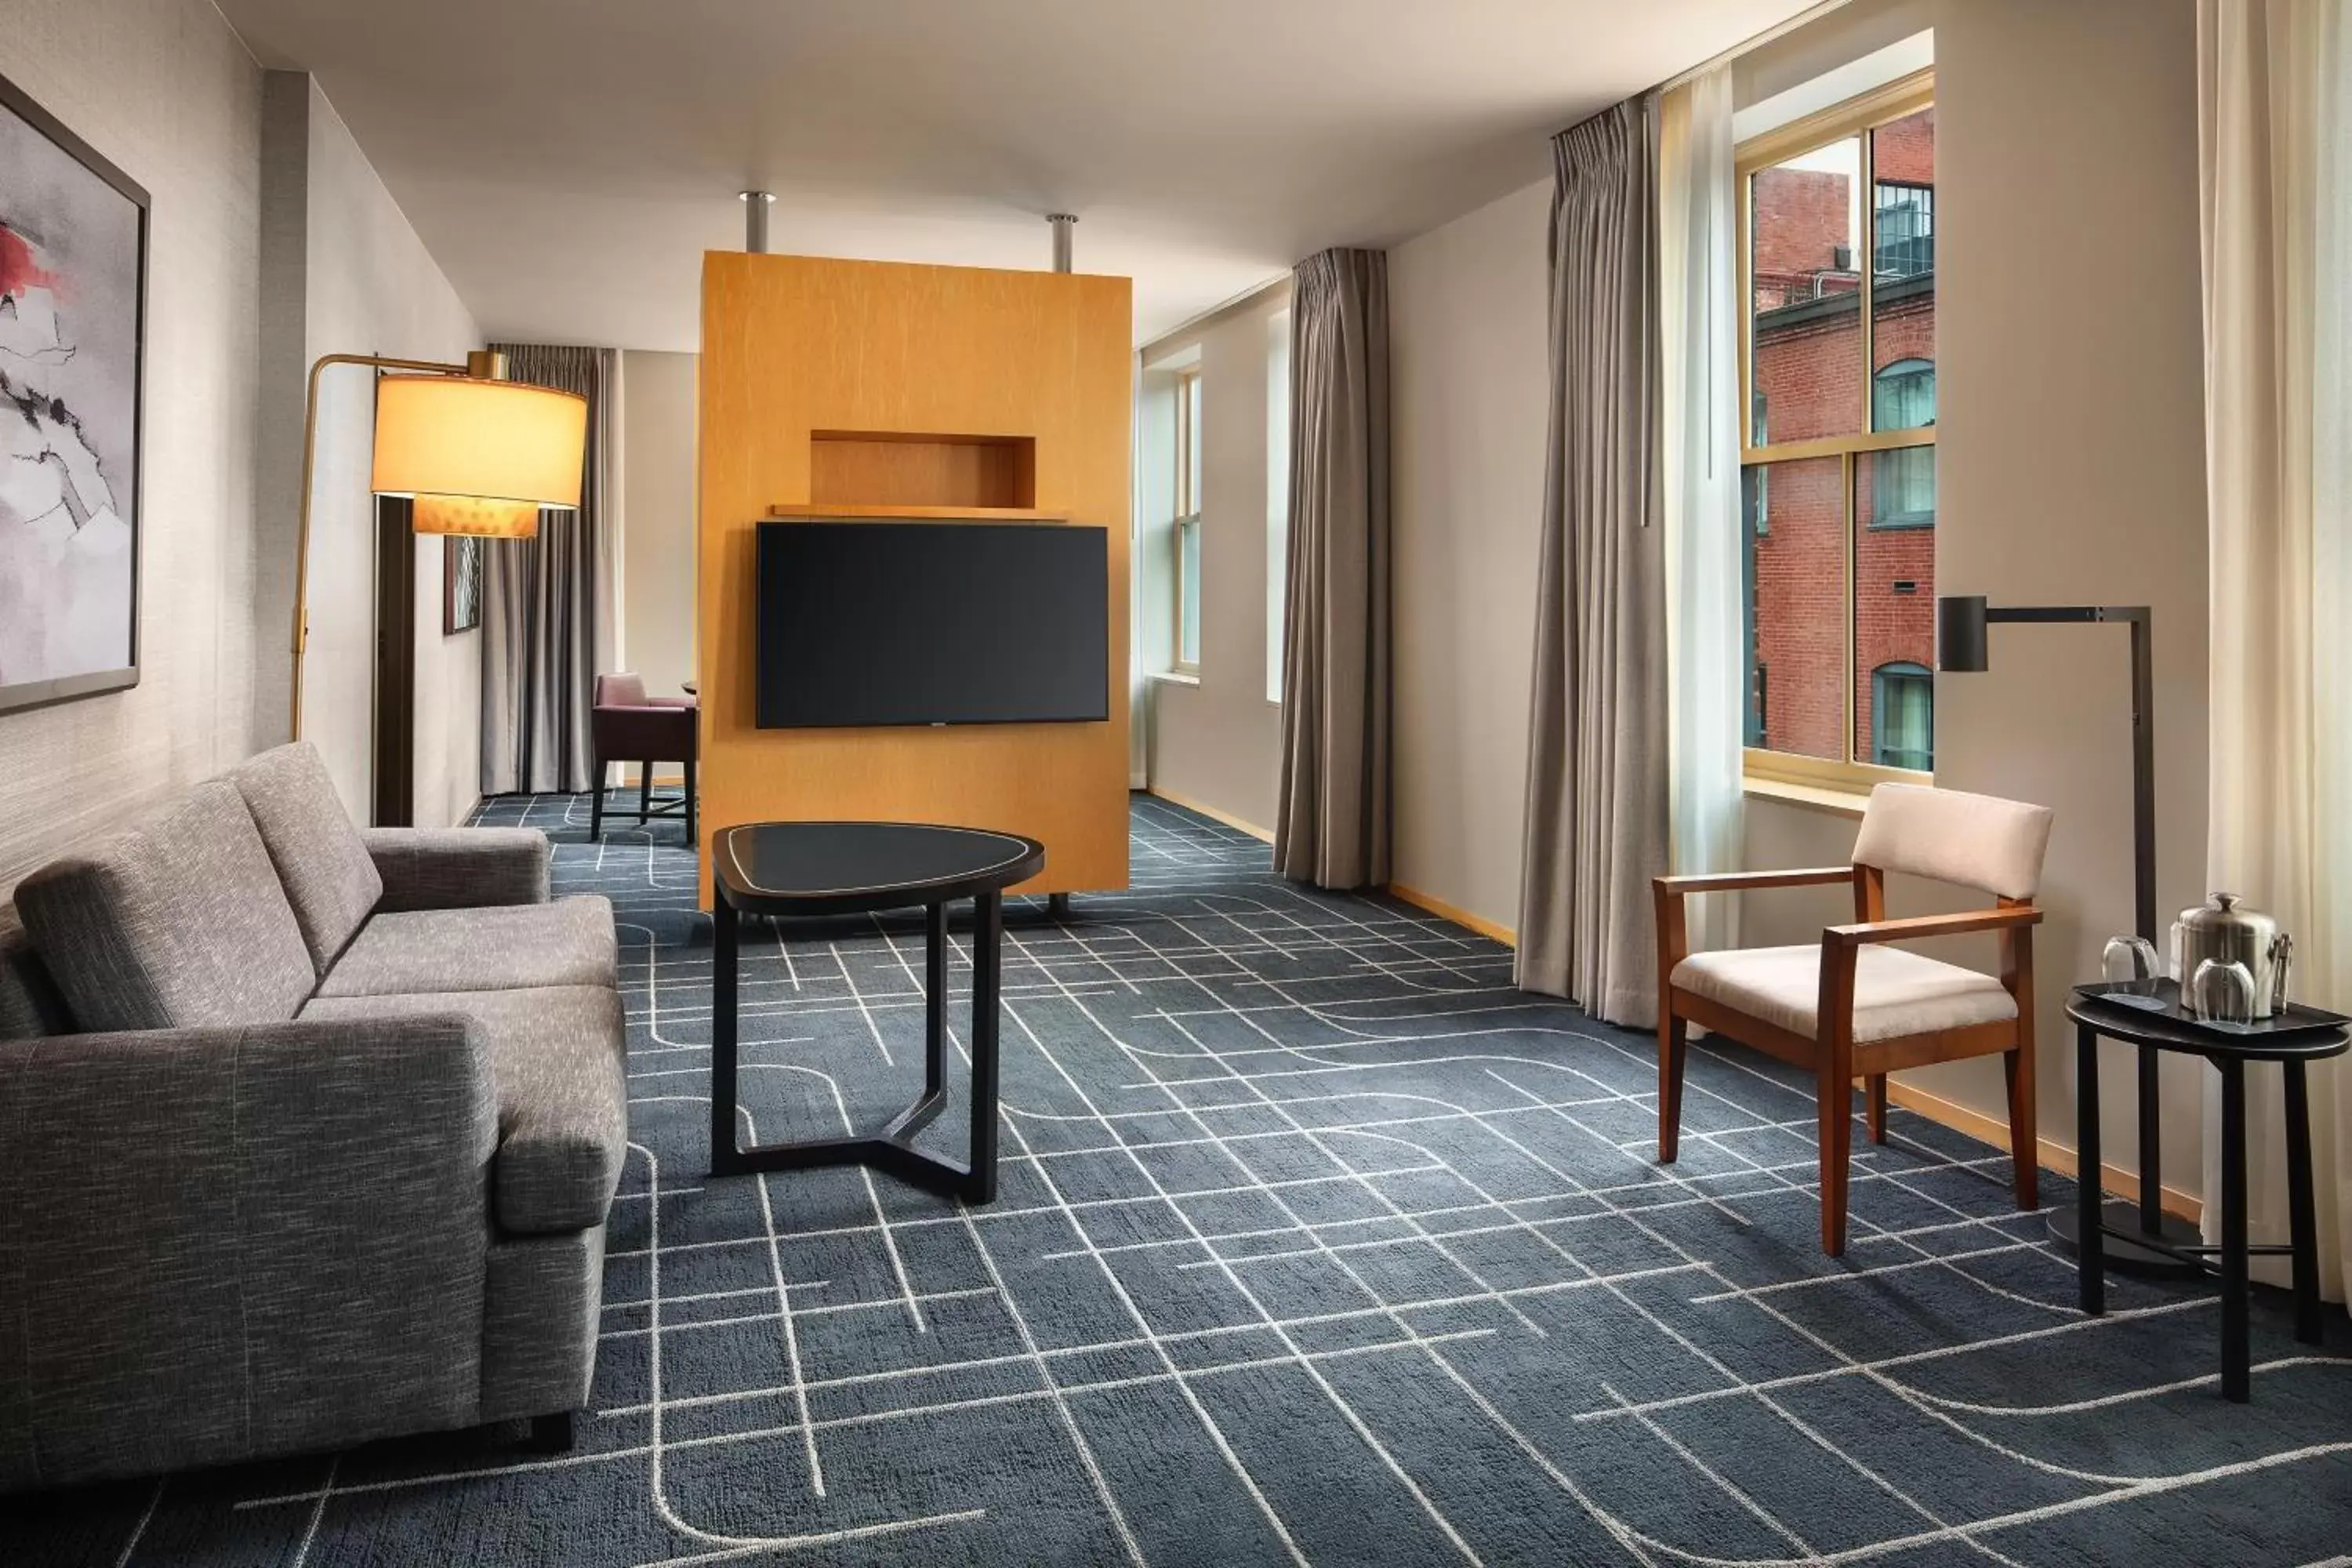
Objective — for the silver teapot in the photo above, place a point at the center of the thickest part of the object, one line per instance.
(2224, 929)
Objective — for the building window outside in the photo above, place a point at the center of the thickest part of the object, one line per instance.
(1903, 716)
(1188, 522)
(1906, 242)
(1838, 488)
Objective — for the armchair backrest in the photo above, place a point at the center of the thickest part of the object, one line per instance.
(624, 690)
(1979, 841)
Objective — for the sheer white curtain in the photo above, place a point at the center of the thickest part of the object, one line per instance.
(2274, 122)
(1699, 293)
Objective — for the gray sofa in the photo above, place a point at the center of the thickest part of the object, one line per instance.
(310, 1135)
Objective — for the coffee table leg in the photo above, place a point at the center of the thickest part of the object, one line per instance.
(2303, 1221)
(723, 938)
(2236, 1350)
(935, 997)
(2090, 1254)
(987, 957)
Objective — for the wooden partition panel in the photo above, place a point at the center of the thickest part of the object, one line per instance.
(1009, 385)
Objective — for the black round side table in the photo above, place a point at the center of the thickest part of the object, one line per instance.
(786, 868)
(2095, 1015)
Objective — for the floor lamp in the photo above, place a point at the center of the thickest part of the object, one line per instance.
(1961, 650)
(478, 454)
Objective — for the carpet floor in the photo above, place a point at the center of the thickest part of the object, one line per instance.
(1315, 1243)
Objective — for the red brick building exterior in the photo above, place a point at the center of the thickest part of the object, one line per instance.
(1808, 383)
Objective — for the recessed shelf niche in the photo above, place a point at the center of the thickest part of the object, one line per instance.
(900, 469)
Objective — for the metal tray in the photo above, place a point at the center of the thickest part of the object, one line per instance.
(2296, 1021)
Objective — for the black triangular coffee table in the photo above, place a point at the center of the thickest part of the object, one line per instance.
(821, 868)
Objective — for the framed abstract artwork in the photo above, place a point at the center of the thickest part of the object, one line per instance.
(73, 292)
(461, 583)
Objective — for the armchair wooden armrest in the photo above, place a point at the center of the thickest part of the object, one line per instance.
(2009, 918)
(1737, 881)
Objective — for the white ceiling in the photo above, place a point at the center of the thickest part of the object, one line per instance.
(567, 161)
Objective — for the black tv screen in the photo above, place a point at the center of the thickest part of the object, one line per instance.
(932, 623)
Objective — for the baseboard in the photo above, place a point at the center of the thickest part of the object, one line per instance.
(1460, 917)
(1212, 813)
(2115, 1181)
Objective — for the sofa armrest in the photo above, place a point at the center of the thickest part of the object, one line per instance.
(228, 1242)
(459, 867)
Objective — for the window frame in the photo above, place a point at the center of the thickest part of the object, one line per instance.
(1187, 516)
(1855, 117)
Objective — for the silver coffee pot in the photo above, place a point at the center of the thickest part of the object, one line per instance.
(2225, 931)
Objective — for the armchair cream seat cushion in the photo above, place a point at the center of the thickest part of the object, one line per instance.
(1895, 992)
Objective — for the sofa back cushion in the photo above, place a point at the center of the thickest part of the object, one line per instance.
(178, 922)
(329, 876)
(31, 1007)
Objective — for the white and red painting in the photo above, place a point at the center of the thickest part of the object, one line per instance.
(71, 232)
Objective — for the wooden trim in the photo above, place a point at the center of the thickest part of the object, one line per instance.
(915, 513)
(2114, 1180)
(1737, 881)
(1838, 445)
(1883, 105)
(1211, 812)
(1491, 930)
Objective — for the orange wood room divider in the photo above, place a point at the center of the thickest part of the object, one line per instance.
(864, 389)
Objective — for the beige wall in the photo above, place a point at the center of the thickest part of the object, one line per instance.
(164, 89)
(1217, 744)
(656, 580)
(2070, 468)
(344, 273)
(2071, 471)
(1466, 308)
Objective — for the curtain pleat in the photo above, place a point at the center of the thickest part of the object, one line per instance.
(1332, 822)
(1596, 826)
(1706, 656)
(2274, 121)
(547, 611)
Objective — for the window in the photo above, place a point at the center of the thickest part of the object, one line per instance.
(1277, 495)
(1187, 521)
(1838, 488)
(1903, 716)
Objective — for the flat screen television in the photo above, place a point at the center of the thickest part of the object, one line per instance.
(865, 624)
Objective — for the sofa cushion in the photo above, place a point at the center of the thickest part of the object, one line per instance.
(329, 875)
(31, 1007)
(556, 1053)
(178, 922)
(495, 948)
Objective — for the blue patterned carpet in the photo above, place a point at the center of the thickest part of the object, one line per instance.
(1317, 1242)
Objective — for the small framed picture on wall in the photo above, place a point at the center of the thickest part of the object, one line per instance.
(73, 292)
(461, 583)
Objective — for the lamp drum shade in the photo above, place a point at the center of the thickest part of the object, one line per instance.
(500, 441)
(473, 515)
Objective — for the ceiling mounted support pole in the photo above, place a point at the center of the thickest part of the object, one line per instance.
(1062, 224)
(755, 219)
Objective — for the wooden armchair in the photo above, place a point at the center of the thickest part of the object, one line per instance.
(1858, 1006)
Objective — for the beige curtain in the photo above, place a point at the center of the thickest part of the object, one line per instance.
(1332, 827)
(547, 602)
(1597, 808)
(2274, 121)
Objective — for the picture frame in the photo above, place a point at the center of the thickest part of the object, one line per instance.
(461, 583)
(74, 243)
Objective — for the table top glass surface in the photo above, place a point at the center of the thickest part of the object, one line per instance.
(852, 860)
